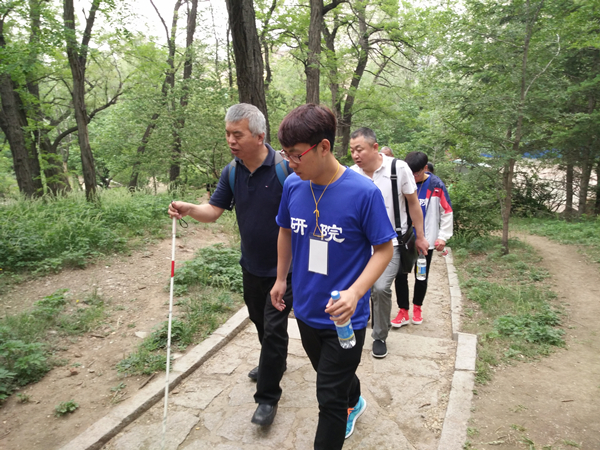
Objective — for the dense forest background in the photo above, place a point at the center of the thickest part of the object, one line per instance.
(502, 95)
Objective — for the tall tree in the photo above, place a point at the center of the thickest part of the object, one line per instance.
(499, 61)
(249, 66)
(313, 63)
(56, 178)
(77, 56)
(167, 87)
(13, 122)
(187, 75)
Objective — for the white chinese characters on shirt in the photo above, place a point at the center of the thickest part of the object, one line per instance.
(298, 225)
(329, 232)
(332, 232)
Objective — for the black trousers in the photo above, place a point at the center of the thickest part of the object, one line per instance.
(271, 326)
(338, 387)
(420, 289)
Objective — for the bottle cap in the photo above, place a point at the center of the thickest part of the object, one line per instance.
(335, 295)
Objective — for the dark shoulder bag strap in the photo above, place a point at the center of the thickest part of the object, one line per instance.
(394, 179)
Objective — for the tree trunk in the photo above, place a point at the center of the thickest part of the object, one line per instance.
(229, 69)
(597, 203)
(248, 58)
(183, 102)
(510, 166)
(332, 63)
(77, 61)
(56, 179)
(13, 130)
(345, 123)
(312, 69)
(13, 122)
(507, 184)
(584, 181)
(569, 193)
(265, 45)
(587, 163)
(135, 170)
(168, 83)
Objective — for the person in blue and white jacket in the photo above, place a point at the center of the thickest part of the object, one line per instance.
(438, 223)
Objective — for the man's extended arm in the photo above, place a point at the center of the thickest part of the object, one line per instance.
(202, 213)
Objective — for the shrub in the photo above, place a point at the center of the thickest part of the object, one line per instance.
(24, 347)
(216, 266)
(65, 408)
(475, 206)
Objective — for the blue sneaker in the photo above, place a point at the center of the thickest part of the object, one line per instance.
(354, 414)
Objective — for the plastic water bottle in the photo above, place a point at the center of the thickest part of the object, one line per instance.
(344, 331)
(421, 267)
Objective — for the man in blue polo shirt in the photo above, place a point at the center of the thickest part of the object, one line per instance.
(255, 189)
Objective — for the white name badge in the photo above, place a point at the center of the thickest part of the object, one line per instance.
(317, 257)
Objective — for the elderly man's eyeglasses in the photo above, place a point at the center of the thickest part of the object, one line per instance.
(295, 158)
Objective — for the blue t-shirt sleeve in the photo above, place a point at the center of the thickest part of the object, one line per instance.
(375, 220)
(223, 197)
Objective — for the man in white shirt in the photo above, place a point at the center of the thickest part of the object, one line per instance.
(376, 166)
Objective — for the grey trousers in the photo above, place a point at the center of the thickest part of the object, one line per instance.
(381, 294)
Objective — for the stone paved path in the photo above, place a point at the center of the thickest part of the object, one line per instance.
(407, 393)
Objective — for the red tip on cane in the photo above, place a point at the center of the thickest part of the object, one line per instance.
(172, 269)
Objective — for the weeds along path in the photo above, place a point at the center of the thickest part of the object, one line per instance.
(133, 290)
(552, 403)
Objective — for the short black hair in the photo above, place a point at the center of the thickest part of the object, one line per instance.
(365, 132)
(307, 124)
(430, 167)
(416, 160)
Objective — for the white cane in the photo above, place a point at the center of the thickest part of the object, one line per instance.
(164, 427)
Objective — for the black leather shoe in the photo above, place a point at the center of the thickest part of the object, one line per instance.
(264, 414)
(253, 374)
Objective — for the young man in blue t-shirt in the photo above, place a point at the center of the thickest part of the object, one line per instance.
(330, 218)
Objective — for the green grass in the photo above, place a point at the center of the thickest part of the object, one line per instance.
(51, 233)
(509, 307)
(199, 315)
(28, 339)
(584, 233)
(67, 407)
(216, 266)
(212, 282)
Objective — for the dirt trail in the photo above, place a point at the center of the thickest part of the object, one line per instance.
(554, 403)
(133, 289)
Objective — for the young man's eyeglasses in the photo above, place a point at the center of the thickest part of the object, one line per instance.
(295, 158)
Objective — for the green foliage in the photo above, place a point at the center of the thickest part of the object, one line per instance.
(532, 197)
(216, 266)
(63, 408)
(535, 328)
(6, 383)
(143, 362)
(200, 315)
(51, 233)
(475, 206)
(510, 308)
(25, 345)
(181, 334)
(23, 398)
(27, 361)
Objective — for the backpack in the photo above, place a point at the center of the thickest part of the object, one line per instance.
(281, 168)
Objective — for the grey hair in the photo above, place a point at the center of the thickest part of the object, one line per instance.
(256, 120)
